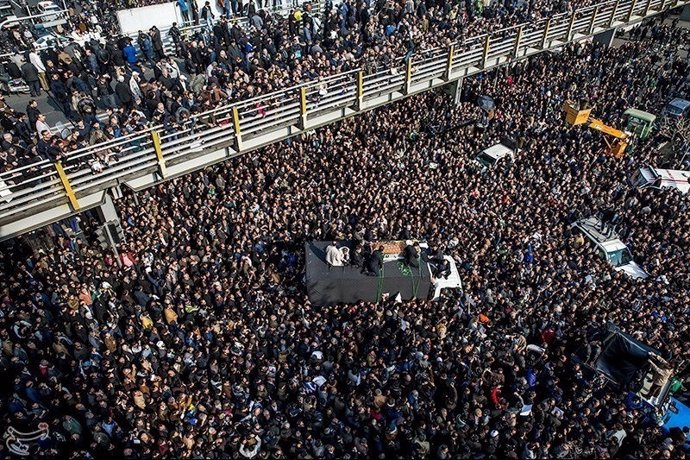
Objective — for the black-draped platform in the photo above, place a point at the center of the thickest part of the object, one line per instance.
(348, 284)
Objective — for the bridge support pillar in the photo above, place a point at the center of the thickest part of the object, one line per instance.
(107, 211)
(685, 14)
(454, 88)
(605, 38)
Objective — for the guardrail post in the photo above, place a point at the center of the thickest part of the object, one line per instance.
(67, 186)
(647, 6)
(360, 90)
(518, 39)
(633, 4)
(156, 138)
(238, 131)
(303, 107)
(613, 13)
(594, 17)
(456, 90)
(449, 63)
(546, 33)
(485, 55)
(569, 35)
(408, 75)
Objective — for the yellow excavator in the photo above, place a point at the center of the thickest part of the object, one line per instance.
(575, 114)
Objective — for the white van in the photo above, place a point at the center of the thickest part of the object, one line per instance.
(661, 178)
(609, 247)
(492, 155)
(54, 15)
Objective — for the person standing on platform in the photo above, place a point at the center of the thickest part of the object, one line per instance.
(411, 254)
(375, 262)
(334, 258)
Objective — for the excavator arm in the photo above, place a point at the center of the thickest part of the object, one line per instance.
(600, 126)
(577, 116)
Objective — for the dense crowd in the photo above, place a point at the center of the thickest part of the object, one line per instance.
(145, 83)
(205, 345)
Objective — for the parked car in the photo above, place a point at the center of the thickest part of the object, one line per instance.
(492, 155)
(51, 40)
(677, 108)
(609, 247)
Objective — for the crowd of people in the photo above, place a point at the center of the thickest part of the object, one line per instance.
(202, 343)
(108, 85)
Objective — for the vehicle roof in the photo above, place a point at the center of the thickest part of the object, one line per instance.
(674, 178)
(679, 103)
(641, 114)
(591, 225)
(613, 245)
(497, 151)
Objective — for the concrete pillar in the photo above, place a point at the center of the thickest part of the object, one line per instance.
(107, 211)
(685, 14)
(454, 88)
(605, 38)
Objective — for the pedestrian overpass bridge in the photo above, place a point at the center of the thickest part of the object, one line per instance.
(45, 192)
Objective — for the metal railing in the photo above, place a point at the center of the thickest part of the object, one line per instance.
(38, 194)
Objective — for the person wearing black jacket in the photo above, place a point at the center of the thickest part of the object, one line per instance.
(207, 16)
(375, 262)
(61, 95)
(176, 36)
(47, 149)
(30, 75)
(356, 257)
(115, 54)
(103, 58)
(123, 92)
(32, 112)
(157, 42)
(412, 255)
(105, 92)
(22, 128)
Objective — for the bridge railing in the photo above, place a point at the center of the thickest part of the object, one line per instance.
(30, 189)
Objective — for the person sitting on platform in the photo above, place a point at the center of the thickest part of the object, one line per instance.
(357, 258)
(334, 258)
(345, 255)
(442, 269)
(411, 254)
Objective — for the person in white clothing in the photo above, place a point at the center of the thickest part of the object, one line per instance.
(134, 87)
(333, 255)
(36, 60)
(41, 124)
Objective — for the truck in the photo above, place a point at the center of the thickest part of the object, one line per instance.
(650, 177)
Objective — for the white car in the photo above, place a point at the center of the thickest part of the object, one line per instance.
(609, 247)
(50, 41)
(83, 39)
(492, 155)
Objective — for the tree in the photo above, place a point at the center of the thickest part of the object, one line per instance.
(675, 152)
